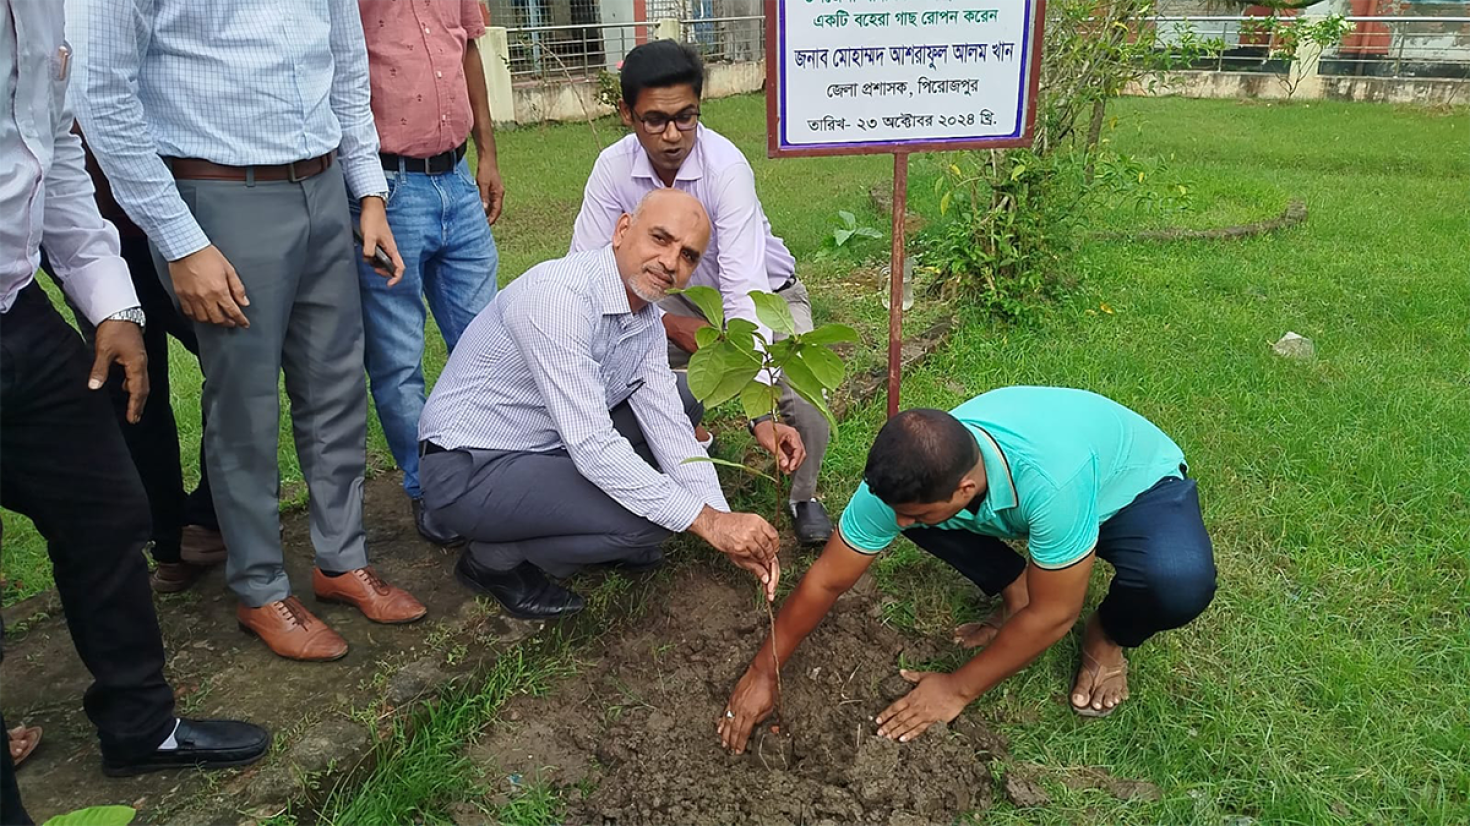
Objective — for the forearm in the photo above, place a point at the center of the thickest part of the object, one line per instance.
(802, 612)
(483, 130)
(1020, 641)
(351, 101)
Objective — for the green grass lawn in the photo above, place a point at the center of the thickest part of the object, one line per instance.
(1330, 680)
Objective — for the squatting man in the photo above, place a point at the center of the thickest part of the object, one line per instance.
(1079, 477)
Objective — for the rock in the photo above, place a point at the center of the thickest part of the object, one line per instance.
(1023, 792)
(1297, 347)
(414, 680)
(332, 743)
(274, 787)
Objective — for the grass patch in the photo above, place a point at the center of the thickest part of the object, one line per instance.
(1326, 684)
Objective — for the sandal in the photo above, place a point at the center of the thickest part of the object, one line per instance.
(23, 741)
(1100, 676)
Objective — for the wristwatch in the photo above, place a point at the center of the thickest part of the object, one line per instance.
(133, 314)
(750, 425)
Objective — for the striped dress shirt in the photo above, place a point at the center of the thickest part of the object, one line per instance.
(236, 82)
(541, 367)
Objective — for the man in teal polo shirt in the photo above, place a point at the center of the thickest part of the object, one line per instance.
(1075, 474)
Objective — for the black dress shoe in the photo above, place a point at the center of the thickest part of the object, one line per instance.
(811, 522)
(431, 531)
(203, 744)
(524, 591)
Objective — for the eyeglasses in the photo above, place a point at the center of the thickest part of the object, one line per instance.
(657, 122)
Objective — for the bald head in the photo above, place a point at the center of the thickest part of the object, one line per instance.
(658, 246)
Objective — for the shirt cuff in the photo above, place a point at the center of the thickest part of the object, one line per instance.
(180, 238)
(365, 178)
(679, 512)
(101, 288)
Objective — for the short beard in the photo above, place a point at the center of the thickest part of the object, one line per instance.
(651, 296)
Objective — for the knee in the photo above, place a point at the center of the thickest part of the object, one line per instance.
(640, 537)
(1183, 593)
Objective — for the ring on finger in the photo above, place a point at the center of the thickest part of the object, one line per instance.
(729, 715)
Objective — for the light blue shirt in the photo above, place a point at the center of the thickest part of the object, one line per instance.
(1058, 464)
(541, 366)
(236, 82)
(46, 195)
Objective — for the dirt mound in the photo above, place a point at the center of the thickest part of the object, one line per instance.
(646, 711)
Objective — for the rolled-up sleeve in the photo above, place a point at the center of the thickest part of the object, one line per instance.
(660, 413)
(114, 39)
(472, 18)
(352, 103)
(554, 337)
(83, 248)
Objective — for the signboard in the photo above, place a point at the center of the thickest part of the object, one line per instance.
(848, 77)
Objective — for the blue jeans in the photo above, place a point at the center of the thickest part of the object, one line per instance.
(1163, 564)
(449, 258)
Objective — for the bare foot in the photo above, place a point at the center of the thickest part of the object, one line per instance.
(976, 634)
(1102, 678)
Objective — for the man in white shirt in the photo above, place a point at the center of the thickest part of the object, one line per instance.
(66, 466)
(669, 148)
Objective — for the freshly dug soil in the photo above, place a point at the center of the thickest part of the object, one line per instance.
(637, 727)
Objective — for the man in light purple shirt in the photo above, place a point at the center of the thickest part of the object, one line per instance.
(661, 85)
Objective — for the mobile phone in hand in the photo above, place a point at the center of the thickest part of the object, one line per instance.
(379, 257)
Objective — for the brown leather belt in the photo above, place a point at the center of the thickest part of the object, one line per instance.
(194, 169)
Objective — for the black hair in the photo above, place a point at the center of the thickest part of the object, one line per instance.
(659, 64)
(919, 457)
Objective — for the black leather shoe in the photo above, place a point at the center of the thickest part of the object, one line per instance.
(811, 522)
(203, 744)
(524, 591)
(431, 531)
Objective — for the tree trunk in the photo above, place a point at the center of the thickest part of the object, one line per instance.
(1094, 132)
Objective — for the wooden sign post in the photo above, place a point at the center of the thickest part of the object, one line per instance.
(862, 77)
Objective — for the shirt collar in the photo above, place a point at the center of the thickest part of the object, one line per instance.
(1000, 483)
(691, 170)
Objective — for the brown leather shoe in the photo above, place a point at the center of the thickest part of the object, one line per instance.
(202, 546)
(291, 631)
(173, 577)
(376, 599)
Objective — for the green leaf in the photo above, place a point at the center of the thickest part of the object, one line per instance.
(841, 235)
(771, 309)
(829, 334)
(692, 460)
(759, 399)
(1017, 171)
(95, 816)
(718, 373)
(848, 219)
(742, 333)
(868, 232)
(709, 302)
(706, 336)
(824, 364)
(799, 377)
(944, 203)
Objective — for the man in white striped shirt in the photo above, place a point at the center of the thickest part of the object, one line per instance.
(556, 436)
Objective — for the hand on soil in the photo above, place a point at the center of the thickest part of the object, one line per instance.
(751, 702)
(936, 699)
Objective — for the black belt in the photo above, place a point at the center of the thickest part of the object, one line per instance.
(790, 282)
(428, 448)
(437, 165)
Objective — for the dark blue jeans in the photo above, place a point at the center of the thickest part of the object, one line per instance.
(1163, 563)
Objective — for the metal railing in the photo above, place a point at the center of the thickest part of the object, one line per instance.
(572, 50)
(732, 39)
(1375, 47)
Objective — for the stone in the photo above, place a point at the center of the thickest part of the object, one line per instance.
(274, 786)
(333, 743)
(1024, 792)
(1296, 347)
(414, 680)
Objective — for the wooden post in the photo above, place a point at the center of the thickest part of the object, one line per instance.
(895, 278)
